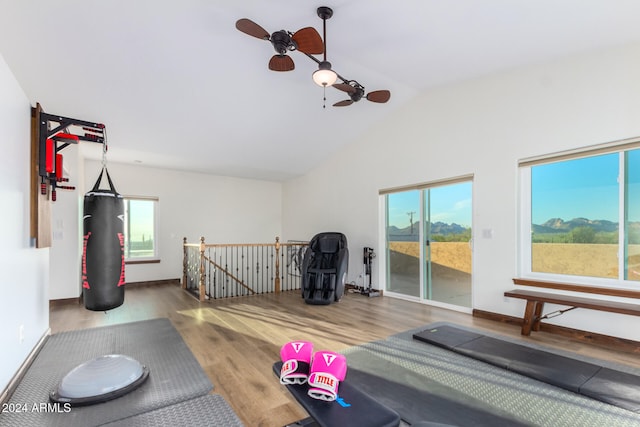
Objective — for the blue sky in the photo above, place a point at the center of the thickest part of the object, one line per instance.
(581, 188)
(449, 204)
(633, 180)
(584, 188)
(141, 220)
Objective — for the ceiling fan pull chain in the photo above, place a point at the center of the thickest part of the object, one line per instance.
(324, 97)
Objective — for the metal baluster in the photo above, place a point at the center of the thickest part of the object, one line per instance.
(262, 269)
(283, 275)
(237, 271)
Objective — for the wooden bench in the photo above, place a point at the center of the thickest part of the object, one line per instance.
(535, 303)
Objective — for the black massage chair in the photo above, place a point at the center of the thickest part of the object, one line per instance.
(324, 268)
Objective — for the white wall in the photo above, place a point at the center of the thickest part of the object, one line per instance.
(222, 209)
(66, 247)
(23, 290)
(479, 127)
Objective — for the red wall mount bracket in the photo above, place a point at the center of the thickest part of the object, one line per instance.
(55, 133)
(50, 134)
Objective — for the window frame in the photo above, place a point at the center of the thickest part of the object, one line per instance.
(155, 258)
(383, 226)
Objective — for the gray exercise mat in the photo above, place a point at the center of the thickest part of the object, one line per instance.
(427, 383)
(418, 398)
(561, 371)
(210, 410)
(614, 387)
(175, 375)
(590, 378)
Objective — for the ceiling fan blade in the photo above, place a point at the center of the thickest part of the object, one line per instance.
(343, 103)
(344, 87)
(380, 96)
(249, 27)
(309, 41)
(281, 63)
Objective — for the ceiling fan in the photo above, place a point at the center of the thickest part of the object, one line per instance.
(306, 40)
(356, 93)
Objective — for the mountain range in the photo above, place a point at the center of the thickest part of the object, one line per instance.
(410, 233)
(553, 225)
(558, 225)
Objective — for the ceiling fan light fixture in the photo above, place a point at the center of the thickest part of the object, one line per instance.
(324, 76)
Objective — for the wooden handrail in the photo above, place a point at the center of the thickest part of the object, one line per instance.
(234, 245)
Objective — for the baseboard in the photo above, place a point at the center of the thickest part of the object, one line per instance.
(15, 380)
(497, 317)
(601, 340)
(65, 301)
(155, 282)
(78, 300)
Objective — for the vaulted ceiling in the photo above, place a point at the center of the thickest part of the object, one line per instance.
(178, 86)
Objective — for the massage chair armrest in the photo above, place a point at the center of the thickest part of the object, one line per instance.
(341, 273)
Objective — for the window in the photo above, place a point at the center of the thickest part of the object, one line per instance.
(140, 229)
(581, 215)
(632, 215)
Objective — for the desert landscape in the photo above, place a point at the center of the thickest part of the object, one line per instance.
(455, 255)
(596, 260)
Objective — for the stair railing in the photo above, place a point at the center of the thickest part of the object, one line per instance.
(212, 271)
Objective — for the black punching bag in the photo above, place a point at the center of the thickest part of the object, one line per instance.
(103, 248)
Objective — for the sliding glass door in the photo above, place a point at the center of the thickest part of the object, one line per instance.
(448, 243)
(403, 242)
(429, 247)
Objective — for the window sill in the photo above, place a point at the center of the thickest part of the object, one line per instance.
(141, 261)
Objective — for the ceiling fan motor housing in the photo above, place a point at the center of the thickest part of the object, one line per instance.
(281, 42)
(357, 94)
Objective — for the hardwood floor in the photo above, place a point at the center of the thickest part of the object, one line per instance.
(237, 340)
